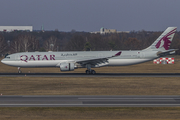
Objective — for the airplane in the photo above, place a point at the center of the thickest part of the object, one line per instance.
(68, 61)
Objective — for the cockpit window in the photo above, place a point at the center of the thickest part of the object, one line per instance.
(6, 55)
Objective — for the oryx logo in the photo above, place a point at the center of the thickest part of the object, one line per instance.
(165, 40)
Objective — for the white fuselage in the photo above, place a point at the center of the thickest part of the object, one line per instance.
(53, 59)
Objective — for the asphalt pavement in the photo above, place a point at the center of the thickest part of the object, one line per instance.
(89, 101)
(90, 75)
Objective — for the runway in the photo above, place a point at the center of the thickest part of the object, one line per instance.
(89, 101)
(85, 75)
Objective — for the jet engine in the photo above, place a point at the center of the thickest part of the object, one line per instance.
(66, 66)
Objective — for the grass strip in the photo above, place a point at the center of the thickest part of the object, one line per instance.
(90, 113)
(89, 86)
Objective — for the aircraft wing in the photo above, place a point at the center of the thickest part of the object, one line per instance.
(170, 51)
(100, 61)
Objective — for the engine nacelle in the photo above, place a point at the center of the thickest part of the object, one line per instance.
(66, 66)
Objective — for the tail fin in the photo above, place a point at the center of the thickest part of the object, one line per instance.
(163, 42)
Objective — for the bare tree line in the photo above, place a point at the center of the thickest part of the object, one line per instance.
(3, 44)
(78, 41)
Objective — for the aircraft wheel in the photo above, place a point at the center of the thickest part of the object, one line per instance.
(87, 72)
(93, 72)
(19, 72)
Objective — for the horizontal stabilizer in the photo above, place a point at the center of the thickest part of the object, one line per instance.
(168, 52)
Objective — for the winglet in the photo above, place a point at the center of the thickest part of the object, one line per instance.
(117, 54)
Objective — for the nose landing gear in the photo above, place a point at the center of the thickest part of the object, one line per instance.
(19, 70)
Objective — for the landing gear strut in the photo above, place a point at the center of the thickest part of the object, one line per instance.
(19, 70)
(89, 71)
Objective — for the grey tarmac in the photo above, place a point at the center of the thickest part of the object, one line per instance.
(85, 75)
(89, 101)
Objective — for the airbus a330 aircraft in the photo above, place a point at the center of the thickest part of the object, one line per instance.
(68, 61)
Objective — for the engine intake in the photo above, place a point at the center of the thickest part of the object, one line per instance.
(66, 66)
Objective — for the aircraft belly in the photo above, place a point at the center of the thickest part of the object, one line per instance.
(122, 62)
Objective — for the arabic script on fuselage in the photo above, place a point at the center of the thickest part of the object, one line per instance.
(69, 54)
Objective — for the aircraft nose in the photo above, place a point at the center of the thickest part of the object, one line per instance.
(3, 61)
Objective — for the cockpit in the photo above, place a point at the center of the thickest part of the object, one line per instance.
(7, 56)
(6, 59)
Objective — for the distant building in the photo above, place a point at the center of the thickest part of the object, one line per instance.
(16, 28)
(104, 31)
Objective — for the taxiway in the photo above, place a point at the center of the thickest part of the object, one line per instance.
(85, 75)
(89, 101)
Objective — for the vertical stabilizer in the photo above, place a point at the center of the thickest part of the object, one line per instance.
(163, 42)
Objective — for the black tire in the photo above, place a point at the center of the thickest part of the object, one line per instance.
(93, 72)
(87, 72)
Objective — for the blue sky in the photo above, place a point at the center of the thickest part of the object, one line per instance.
(91, 15)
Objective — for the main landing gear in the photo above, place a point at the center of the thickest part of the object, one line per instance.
(90, 72)
(19, 70)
